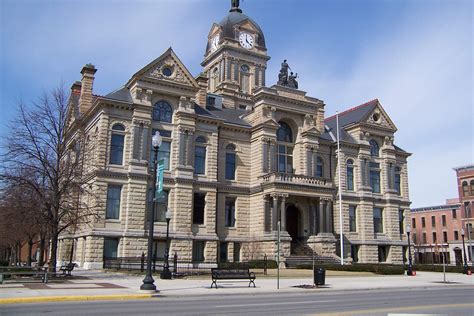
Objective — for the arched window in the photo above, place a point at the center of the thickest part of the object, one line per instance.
(245, 78)
(472, 187)
(200, 155)
(465, 189)
(319, 167)
(285, 148)
(230, 162)
(397, 180)
(350, 174)
(116, 144)
(162, 111)
(214, 79)
(374, 148)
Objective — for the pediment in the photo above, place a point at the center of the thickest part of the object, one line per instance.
(247, 25)
(378, 117)
(168, 67)
(216, 28)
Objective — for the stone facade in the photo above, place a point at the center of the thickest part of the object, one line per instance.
(260, 156)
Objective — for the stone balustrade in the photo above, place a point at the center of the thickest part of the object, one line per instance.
(295, 179)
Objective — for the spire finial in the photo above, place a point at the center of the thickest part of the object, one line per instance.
(235, 6)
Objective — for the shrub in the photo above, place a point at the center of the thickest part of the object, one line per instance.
(3, 263)
(255, 264)
(361, 267)
(438, 268)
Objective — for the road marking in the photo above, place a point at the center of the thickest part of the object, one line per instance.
(386, 309)
(276, 303)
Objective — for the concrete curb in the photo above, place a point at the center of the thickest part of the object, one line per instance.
(41, 299)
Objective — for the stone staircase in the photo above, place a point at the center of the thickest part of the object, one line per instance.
(302, 254)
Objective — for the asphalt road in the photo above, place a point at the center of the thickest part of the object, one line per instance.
(444, 301)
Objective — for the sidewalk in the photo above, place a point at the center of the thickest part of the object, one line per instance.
(98, 285)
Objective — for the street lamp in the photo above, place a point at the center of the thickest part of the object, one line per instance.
(465, 271)
(148, 282)
(166, 274)
(410, 267)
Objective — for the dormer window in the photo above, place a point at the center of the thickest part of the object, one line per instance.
(162, 112)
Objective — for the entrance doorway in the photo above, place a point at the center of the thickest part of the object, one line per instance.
(292, 221)
(458, 256)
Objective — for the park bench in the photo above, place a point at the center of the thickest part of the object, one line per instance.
(231, 274)
(9, 273)
(67, 268)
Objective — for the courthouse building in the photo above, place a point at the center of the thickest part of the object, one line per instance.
(243, 152)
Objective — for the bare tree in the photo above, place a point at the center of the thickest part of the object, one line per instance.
(44, 156)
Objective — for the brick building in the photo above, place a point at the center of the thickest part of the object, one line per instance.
(239, 157)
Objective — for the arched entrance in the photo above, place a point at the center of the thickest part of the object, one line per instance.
(292, 221)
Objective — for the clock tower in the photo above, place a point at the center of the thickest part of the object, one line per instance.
(236, 58)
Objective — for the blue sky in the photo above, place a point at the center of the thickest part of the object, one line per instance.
(414, 56)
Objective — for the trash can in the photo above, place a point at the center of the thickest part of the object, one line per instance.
(319, 276)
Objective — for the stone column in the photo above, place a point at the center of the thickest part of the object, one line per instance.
(328, 217)
(321, 216)
(273, 157)
(266, 215)
(265, 156)
(275, 212)
(309, 161)
(311, 218)
(283, 212)
(189, 143)
(182, 148)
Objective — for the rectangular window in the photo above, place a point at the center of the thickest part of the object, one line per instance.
(443, 220)
(401, 221)
(200, 160)
(423, 222)
(110, 247)
(198, 250)
(413, 223)
(453, 211)
(229, 212)
(434, 238)
(424, 238)
(383, 253)
(352, 218)
(113, 202)
(223, 251)
(236, 252)
(433, 221)
(230, 166)
(397, 183)
(285, 159)
(199, 203)
(378, 220)
(350, 178)
(375, 181)
(116, 149)
(445, 237)
(456, 235)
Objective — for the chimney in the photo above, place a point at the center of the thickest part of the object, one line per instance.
(85, 101)
(76, 88)
(202, 93)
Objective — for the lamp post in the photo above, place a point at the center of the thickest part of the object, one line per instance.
(166, 274)
(410, 267)
(148, 282)
(464, 250)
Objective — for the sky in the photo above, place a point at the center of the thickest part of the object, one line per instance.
(415, 56)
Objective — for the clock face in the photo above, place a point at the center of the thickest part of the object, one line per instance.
(214, 42)
(246, 40)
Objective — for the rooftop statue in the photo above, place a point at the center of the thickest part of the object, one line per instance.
(284, 79)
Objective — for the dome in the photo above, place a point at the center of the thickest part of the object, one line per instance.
(235, 17)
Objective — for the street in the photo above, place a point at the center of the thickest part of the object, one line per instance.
(441, 300)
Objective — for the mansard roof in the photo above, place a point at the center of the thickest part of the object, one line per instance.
(122, 94)
(228, 115)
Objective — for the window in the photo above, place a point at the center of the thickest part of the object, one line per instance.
(113, 202)
(375, 181)
(214, 79)
(285, 148)
(352, 218)
(355, 253)
(434, 238)
(199, 203)
(443, 220)
(245, 78)
(424, 238)
(423, 222)
(467, 210)
(378, 220)
(374, 148)
(198, 250)
(413, 223)
(230, 162)
(445, 237)
(229, 212)
(350, 175)
(465, 189)
(472, 187)
(454, 213)
(110, 247)
(236, 252)
(397, 182)
(401, 221)
(162, 112)
(456, 235)
(200, 156)
(319, 167)
(383, 253)
(116, 144)
(223, 251)
(433, 221)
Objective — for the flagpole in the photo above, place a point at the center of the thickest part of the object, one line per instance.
(340, 190)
